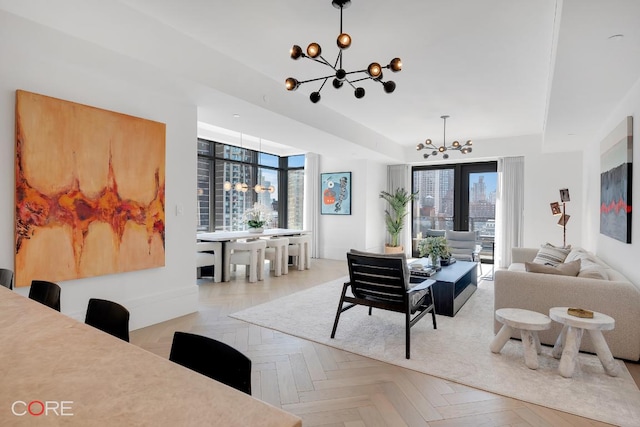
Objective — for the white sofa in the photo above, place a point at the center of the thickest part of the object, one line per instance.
(615, 296)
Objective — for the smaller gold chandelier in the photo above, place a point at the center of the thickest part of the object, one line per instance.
(428, 145)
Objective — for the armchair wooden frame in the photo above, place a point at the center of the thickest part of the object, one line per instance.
(383, 281)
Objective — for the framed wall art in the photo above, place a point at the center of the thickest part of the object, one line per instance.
(90, 191)
(335, 191)
(616, 160)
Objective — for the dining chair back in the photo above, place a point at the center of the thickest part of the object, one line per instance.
(47, 293)
(6, 278)
(212, 358)
(300, 250)
(108, 316)
(251, 254)
(209, 260)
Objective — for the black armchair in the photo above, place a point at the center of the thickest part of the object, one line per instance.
(384, 282)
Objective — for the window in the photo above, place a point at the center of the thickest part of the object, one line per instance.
(295, 191)
(222, 171)
(456, 197)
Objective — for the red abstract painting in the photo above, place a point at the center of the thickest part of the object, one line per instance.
(90, 191)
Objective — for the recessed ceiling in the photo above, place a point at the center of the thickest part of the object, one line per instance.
(499, 68)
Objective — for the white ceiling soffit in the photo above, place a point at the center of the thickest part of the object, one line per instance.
(487, 64)
(593, 70)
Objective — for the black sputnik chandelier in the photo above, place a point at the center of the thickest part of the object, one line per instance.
(340, 75)
(428, 145)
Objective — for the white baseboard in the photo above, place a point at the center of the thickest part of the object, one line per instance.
(156, 308)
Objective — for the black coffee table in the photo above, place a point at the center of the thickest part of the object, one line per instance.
(454, 285)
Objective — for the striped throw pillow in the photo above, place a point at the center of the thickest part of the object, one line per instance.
(551, 255)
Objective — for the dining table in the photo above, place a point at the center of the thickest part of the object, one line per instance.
(228, 236)
(56, 370)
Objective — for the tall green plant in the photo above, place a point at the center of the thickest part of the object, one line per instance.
(397, 211)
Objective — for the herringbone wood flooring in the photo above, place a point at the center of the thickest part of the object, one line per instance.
(330, 387)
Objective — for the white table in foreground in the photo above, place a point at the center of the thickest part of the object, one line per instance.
(104, 381)
(567, 345)
(529, 323)
(228, 236)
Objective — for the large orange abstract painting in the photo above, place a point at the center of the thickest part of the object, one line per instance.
(90, 191)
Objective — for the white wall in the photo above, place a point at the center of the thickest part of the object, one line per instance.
(41, 60)
(619, 255)
(364, 228)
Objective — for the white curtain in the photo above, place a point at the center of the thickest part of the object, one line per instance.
(399, 176)
(311, 206)
(509, 212)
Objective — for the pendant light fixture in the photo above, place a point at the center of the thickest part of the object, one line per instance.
(428, 145)
(340, 75)
(240, 185)
(259, 188)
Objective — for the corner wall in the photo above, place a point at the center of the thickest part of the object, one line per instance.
(42, 60)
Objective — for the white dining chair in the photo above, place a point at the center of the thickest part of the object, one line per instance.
(209, 254)
(249, 253)
(300, 250)
(277, 253)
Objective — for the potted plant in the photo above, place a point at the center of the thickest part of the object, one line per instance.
(395, 216)
(257, 217)
(436, 247)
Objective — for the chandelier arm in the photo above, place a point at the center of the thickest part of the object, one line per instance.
(323, 61)
(323, 83)
(361, 79)
(316, 79)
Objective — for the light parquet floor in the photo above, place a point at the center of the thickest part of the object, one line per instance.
(330, 387)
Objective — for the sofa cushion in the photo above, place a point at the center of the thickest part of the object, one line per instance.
(564, 268)
(594, 271)
(551, 255)
(592, 267)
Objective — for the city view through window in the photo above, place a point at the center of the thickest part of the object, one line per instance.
(444, 204)
(227, 179)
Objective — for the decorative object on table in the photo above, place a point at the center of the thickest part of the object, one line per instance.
(428, 145)
(564, 218)
(336, 193)
(394, 216)
(90, 191)
(257, 217)
(436, 247)
(314, 53)
(580, 312)
(616, 163)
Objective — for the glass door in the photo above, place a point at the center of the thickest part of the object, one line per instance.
(458, 197)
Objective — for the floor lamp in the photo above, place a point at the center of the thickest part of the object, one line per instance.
(564, 218)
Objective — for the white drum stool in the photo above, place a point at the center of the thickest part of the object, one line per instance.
(529, 323)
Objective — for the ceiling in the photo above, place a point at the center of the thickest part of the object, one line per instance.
(499, 68)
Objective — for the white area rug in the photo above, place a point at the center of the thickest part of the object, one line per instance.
(458, 351)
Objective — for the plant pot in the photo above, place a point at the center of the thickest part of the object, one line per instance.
(393, 249)
(256, 230)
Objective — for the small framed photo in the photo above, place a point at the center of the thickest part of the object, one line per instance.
(335, 193)
(564, 219)
(555, 208)
(564, 195)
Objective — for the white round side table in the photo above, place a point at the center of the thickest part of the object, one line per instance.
(529, 323)
(567, 345)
